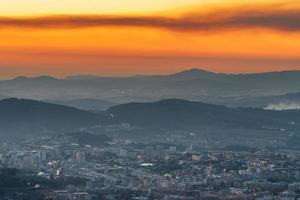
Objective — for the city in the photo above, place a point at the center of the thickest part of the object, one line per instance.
(124, 169)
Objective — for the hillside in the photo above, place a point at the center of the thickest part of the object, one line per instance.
(194, 84)
(20, 117)
(175, 114)
(84, 104)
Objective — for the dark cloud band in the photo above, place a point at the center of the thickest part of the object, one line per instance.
(283, 20)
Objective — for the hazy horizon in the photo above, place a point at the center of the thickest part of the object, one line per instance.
(140, 74)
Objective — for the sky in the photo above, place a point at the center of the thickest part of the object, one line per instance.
(128, 37)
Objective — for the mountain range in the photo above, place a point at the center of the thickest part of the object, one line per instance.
(183, 114)
(84, 104)
(20, 117)
(194, 84)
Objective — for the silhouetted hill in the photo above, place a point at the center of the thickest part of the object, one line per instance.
(20, 117)
(194, 84)
(38, 78)
(84, 104)
(195, 74)
(181, 114)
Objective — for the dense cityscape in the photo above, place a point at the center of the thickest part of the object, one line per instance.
(57, 169)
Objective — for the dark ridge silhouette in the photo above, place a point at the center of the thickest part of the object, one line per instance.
(181, 114)
(21, 116)
(194, 84)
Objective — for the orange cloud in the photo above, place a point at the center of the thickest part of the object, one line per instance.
(281, 18)
(240, 39)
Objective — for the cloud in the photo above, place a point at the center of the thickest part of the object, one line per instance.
(239, 18)
(283, 106)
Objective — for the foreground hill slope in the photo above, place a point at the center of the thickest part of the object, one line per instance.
(21, 116)
(176, 113)
(210, 125)
(84, 104)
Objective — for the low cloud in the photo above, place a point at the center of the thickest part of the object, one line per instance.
(268, 18)
(283, 106)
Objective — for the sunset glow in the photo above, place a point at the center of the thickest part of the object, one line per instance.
(147, 37)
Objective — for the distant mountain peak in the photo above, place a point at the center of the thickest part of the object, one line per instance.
(20, 78)
(194, 73)
(177, 101)
(173, 100)
(24, 78)
(196, 70)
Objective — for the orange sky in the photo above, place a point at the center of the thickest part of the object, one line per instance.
(126, 37)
